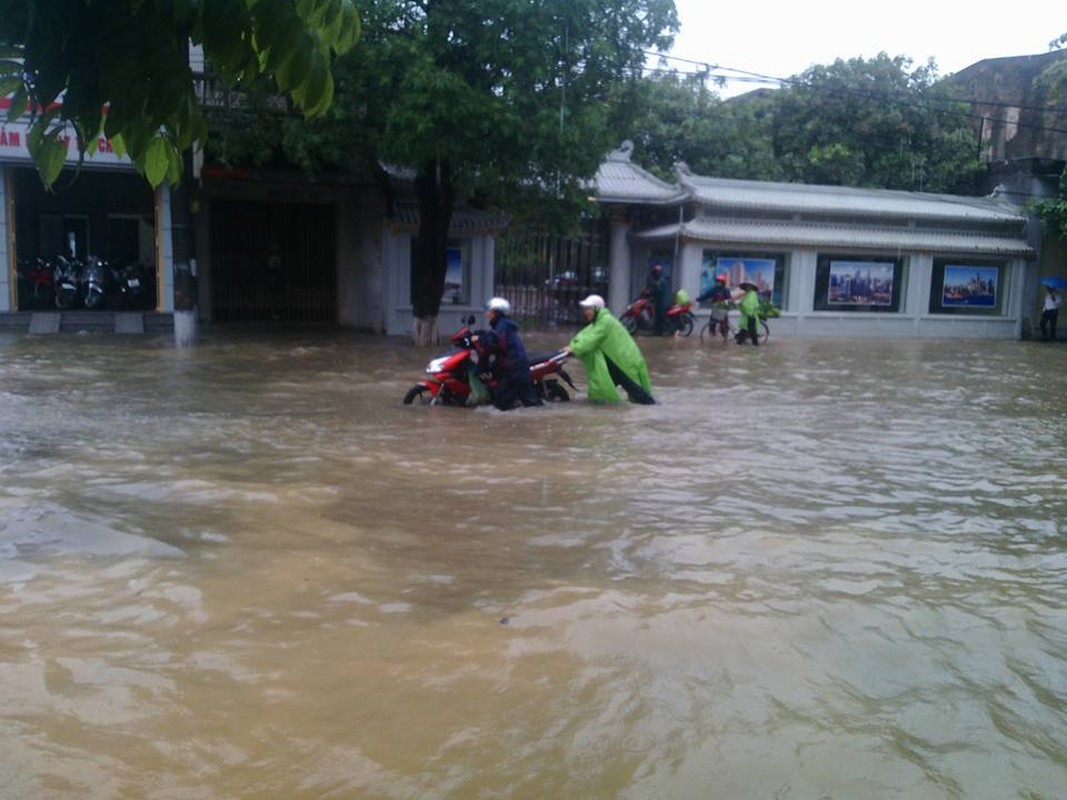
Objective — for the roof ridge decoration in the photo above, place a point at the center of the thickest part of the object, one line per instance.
(624, 152)
(620, 180)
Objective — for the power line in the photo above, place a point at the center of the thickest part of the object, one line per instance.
(927, 104)
(746, 75)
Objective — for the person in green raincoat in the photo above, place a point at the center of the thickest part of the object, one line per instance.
(610, 356)
(749, 306)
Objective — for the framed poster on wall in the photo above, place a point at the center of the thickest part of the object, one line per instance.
(767, 273)
(858, 284)
(967, 287)
(457, 276)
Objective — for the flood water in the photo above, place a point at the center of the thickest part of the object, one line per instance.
(820, 569)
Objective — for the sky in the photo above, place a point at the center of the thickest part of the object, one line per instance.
(779, 38)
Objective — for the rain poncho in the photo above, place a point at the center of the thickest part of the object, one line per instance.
(605, 337)
(749, 306)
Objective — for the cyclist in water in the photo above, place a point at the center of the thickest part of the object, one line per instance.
(719, 297)
(749, 306)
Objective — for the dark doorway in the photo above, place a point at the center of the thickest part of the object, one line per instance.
(273, 262)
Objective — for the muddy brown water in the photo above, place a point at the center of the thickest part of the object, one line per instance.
(820, 569)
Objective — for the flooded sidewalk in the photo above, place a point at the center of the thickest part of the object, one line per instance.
(815, 569)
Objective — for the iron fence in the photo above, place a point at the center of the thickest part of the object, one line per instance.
(544, 275)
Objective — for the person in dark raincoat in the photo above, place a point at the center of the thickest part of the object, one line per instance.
(610, 356)
(657, 290)
(510, 365)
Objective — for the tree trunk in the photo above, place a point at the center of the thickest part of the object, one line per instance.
(424, 331)
(429, 248)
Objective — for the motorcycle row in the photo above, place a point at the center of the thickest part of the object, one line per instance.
(66, 283)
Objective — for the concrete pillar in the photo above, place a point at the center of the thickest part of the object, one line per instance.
(186, 328)
(687, 270)
(620, 263)
(7, 240)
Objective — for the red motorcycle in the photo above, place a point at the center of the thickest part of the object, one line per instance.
(37, 284)
(640, 315)
(449, 377)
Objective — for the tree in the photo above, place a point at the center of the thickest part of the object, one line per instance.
(498, 99)
(1052, 211)
(875, 123)
(119, 68)
(677, 118)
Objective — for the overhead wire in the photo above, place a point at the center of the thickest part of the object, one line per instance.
(707, 72)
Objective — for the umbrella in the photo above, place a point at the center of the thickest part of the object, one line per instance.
(1054, 283)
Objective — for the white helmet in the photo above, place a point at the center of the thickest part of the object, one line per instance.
(592, 301)
(498, 304)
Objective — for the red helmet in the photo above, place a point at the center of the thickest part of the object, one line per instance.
(657, 269)
(721, 277)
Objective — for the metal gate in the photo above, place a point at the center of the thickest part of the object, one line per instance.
(273, 262)
(544, 275)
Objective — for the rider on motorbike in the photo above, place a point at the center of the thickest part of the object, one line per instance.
(508, 360)
(657, 288)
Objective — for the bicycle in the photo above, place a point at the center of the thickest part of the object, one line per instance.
(713, 329)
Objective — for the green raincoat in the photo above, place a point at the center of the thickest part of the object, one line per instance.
(749, 306)
(605, 336)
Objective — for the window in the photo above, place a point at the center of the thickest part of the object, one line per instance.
(845, 283)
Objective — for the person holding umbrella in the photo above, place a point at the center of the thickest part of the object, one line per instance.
(1050, 314)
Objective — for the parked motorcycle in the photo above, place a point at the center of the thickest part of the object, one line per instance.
(36, 284)
(639, 315)
(65, 274)
(449, 376)
(130, 287)
(94, 278)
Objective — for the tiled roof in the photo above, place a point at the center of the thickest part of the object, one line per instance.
(796, 198)
(850, 237)
(619, 180)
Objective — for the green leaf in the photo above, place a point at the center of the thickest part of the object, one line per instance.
(174, 166)
(156, 160)
(18, 104)
(50, 158)
(324, 96)
(8, 67)
(293, 72)
(118, 145)
(9, 86)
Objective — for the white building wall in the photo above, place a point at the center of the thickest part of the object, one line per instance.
(799, 319)
(396, 252)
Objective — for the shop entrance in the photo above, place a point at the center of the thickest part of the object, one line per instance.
(273, 262)
(89, 244)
